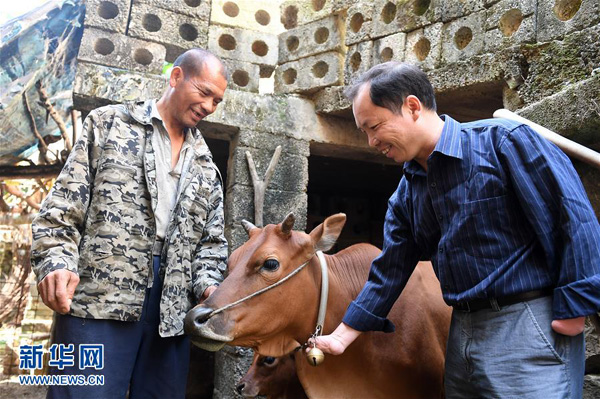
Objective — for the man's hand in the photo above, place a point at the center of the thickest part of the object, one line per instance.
(570, 327)
(57, 290)
(337, 342)
(207, 292)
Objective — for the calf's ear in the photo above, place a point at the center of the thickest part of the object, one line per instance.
(326, 234)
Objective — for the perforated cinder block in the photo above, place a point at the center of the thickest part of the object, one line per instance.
(510, 22)
(242, 75)
(453, 9)
(359, 22)
(194, 8)
(120, 51)
(423, 46)
(463, 38)
(310, 39)
(109, 15)
(258, 15)
(403, 16)
(389, 48)
(176, 31)
(307, 75)
(556, 18)
(244, 45)
(295, 13)
(358, 60)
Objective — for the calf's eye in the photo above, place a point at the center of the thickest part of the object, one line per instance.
(268, 360)
(271, 265)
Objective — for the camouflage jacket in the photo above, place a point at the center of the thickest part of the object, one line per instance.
(98, 222)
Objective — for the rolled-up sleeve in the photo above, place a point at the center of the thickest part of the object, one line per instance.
(556, 205)
(389, 272)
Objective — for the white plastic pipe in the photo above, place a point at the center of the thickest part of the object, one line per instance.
(570, 147)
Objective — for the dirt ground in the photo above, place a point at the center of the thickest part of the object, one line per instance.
(10, 388)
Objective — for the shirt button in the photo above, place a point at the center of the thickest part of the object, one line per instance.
(441, 250)
(433, 184)
(440, 217)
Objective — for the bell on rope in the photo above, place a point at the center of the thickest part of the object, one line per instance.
(315, 357)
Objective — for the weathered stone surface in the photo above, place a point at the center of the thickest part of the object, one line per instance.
(463, 38)
(358, 60)
(573, 112)
(120, 51)
(97, 85)
(269, 142)
(554, 66)
(295, 13)
(510, 22)
(240, 203)
(359, 23)
(313, 38)
(109, 15)
(290, 174)
(424, 46)
(452, 9)
(591, 387)
(243, 75)
(258, 15)
(558, 18)
(232, 362)
(331, 100)
(244, 45)
(506, 65)
(168, 27)
(405, 16)
(306, 75)
(389, 48)
(195, 8)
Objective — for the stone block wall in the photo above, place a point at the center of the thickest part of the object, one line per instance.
(540, 58)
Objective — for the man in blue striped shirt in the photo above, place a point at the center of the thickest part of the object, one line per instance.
(504, 218)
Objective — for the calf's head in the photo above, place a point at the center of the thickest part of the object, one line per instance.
(273, 321)
(273, 377)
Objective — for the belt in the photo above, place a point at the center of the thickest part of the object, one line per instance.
(497, 303)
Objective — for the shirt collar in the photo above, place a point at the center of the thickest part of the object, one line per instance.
(450, 140)
(449, 144)
(189, 140)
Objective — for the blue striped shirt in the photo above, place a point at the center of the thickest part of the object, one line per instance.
(499, 211)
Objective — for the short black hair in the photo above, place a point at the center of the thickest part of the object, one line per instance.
(192, 62)
(391, 82)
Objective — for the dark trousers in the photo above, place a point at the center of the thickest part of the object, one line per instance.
(136, 359)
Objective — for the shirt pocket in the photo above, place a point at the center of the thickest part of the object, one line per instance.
(116, 182)
(483, 224)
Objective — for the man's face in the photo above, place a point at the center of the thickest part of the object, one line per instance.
(391, 134)
(197, 97)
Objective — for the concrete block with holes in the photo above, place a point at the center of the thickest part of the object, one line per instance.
(389, 48)
(243, 75)
(120, 51)
(556, 18)
(423, 46)
(97, 85)
(510, 22)
(258, 15)
(194, 8)
(453, 9)
(306, 75)
(177, 32)
(339, 6)
(109, 15)
(359, 22)
(244, 45)
(463, 38)
(310, 39)
(358, 60)
(392, 17)
(296, 13)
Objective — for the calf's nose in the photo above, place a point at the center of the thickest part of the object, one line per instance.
(195, 318)
(240, 388)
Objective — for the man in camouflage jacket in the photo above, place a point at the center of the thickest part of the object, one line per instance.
(93, 239)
